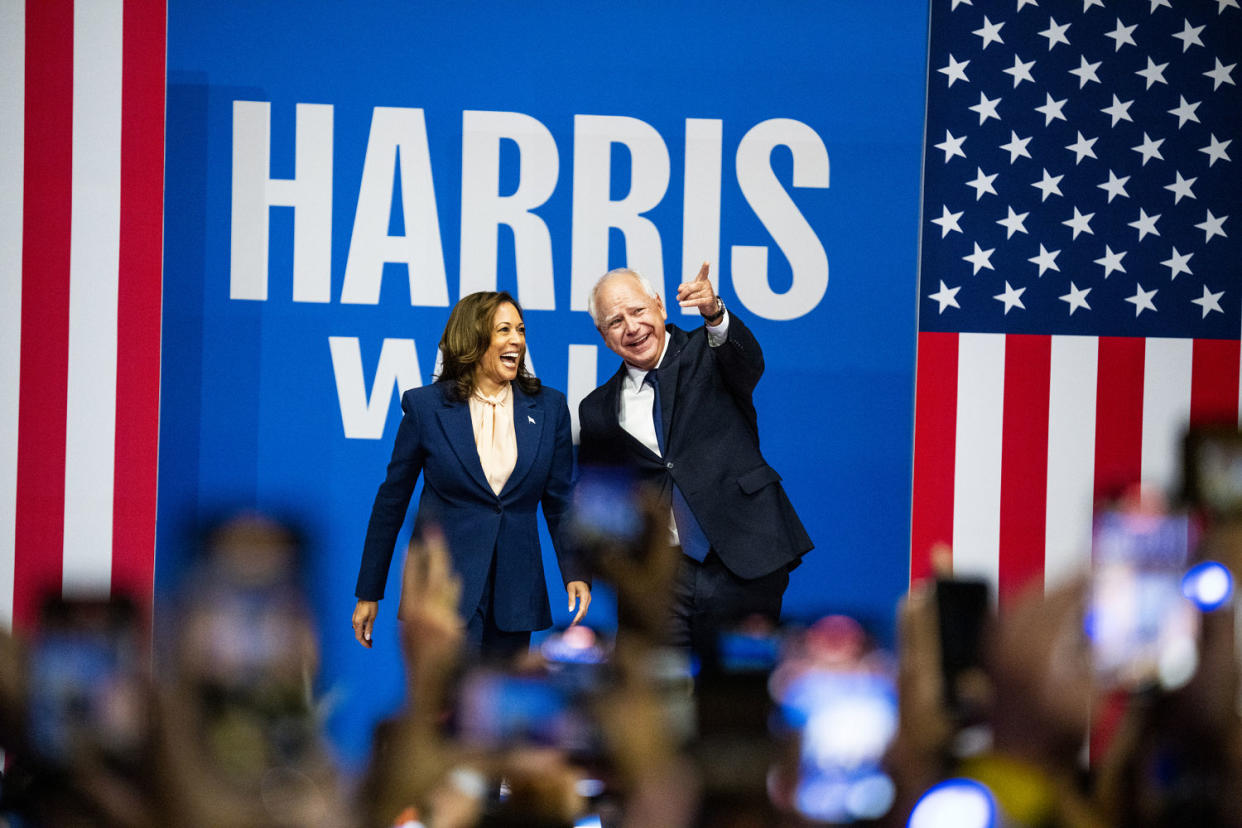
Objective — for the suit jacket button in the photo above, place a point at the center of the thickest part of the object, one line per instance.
(669, 465)
(498, 509)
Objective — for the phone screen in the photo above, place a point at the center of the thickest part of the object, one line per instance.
(84, 682)
(1143, 629)
(607, 517)
(841, 701)
(500, 710)
(962, 610)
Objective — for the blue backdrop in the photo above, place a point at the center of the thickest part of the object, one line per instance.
(572, 137)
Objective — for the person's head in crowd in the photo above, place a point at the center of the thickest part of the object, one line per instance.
(484, 345)
(630, 315)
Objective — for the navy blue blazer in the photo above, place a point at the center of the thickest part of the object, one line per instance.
(711, 448)
(436, 439)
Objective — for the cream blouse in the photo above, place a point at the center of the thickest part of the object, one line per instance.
(492, 418)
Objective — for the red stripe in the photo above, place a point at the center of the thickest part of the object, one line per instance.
(1214, 382)
(138, 307)
(935, 431)
(1119, 415)
(1024, 462)
(46, 209)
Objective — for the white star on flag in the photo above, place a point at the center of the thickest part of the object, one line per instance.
(1082, 148)
(1051, 110)
(1154, 73)
(1086, 71)
(1011, 297)
(990, 32)
(1212, 226)
(1122, 35)
(1047, 260)
(1016, 147)
(955, 71)
(1177, 263)
(1076, 298)
(1185, 111)
(1181, 188)
(1020, 71)
(1013, 223)
(1048, 185)
(1080, 223)
(1119, 111)
(1142, 300)
(1111, 261)
(1189, 36)
(982, 183)
(951, 146)
(1209, 301)
(1115, 186)
(1145, 224)
(946, 296)
(1216, 150)
(1149, 149)
(948, 221)
(986, 108)
(980, 259)
(1221, 74)
(1055, 33)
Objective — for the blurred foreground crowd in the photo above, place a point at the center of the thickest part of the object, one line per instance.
(988, 713)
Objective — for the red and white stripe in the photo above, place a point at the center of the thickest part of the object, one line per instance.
(1016, 436)
(81, 218)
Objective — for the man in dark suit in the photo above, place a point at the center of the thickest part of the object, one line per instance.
(737, 531)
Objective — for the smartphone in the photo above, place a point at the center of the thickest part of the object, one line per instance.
(85, 683)
(1142, 628)
(607, 516)
(962, 607)
(836, 693)
(846, 720)
(498, 710)
(1213, 471)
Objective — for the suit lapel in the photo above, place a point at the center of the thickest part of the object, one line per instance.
(667, 374)
(612, 404)
(528, 427)
(455, 420)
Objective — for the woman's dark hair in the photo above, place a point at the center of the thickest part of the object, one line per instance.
(468, 335)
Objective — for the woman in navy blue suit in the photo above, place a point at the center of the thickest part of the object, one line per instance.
(492, 444)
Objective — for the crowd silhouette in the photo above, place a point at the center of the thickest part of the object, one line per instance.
(981, 715)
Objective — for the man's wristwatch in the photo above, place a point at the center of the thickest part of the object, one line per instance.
(715, 318)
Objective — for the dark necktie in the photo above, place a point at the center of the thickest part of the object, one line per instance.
(693, 542)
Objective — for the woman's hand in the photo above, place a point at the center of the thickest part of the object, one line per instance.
(580, 594)
(364, 620)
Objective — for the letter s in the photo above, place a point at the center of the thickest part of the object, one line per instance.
(782, 219)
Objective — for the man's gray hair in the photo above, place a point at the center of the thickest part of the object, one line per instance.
(619, 271)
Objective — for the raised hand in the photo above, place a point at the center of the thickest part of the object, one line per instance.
(698, 293)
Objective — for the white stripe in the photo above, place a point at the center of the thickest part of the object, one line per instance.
(1167, 368)
(977, 458)
(90, 437)
(12, 160)
(1072, 384)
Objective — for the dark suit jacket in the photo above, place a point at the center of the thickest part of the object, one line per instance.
(711, 448)
(435, 438)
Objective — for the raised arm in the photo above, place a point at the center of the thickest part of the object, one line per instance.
(737, 351)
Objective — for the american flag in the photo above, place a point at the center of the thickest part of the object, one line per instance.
(1081, 269)
(81, 221)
